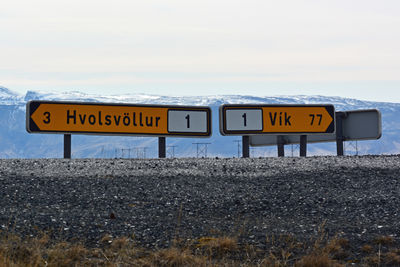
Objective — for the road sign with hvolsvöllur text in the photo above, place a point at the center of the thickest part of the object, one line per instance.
(117, 119)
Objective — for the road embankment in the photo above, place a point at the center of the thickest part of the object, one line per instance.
(157, 200)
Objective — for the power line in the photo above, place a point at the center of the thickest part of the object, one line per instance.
(141, 152)
(239, 142)
(171, 151)
(201, 149)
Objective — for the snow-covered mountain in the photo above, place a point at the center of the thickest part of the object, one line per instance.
(15, 142)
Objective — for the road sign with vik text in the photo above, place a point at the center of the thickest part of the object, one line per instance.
(276, 119)
(117, 119)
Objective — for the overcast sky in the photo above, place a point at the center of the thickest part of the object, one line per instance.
(347, 48)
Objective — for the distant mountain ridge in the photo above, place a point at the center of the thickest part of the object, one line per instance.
(17, 143)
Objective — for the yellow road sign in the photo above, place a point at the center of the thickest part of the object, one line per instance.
(276, 119)
(117, 119)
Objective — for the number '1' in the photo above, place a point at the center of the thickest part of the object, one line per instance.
(244, 116)
(187, 120)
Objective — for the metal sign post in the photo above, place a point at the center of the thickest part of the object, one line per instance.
(245, 146)
(303, 145)
(161, 147)
(281, 146)
(339, 133)
(67, 146)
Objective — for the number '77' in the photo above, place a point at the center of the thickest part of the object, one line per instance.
(313, 118)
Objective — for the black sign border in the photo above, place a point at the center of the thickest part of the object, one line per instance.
(223, 128)
(33, 105)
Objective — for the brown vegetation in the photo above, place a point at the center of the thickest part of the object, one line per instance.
(282, 250)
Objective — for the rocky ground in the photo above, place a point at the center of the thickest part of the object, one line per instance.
(157, 200)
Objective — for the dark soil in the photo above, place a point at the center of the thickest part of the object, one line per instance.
(156, 201)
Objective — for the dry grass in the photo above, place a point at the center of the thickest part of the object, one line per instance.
(389, 258)
(218, 246)
(174, 257)
(279, 251)
(317, 260)
(384, 240)
(367, 249)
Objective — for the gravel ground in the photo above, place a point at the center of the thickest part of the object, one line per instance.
(157, 200)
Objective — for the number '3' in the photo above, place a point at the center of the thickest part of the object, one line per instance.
(47, 117)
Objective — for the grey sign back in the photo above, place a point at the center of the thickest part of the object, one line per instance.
(357, 125)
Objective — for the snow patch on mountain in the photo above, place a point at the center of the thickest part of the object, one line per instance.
(8, 97)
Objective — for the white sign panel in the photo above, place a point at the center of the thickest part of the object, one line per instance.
(244, 119)
(187, 121)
